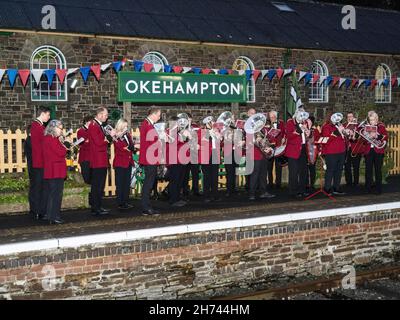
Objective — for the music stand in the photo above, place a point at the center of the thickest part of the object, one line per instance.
(321, 141)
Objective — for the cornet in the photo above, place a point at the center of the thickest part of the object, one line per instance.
(109, 131)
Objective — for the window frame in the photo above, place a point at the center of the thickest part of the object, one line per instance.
(62, 62)
(249, 66)
(158, 55)
(321, 90)
(387, 74)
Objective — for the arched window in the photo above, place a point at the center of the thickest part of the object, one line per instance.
(156, 58)
(43, 58)
(319, 92)
(383, 94)
(244, 63)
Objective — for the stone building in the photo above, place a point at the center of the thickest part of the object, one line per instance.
(231, 34)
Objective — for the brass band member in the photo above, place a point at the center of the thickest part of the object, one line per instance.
(149, 158)
(297, 132)
(123, 161)
(37, 195)
(353, 159)
(99, 162)
(210, 159)
(193, 167)
(374, 155)
(84, 151)
(250, 112)
(277, 141)
(55, 170)
(312, 153)
(334, 151)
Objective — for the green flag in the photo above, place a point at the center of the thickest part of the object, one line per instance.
(293, 96)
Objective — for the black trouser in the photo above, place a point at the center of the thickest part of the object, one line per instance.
(150, 174)
(210, 173)
(37, 195)
(352, 168)
(334, 163)
(311, 175)
(298, 173)
(176, 176)
(373, 161)
(98, 181)
(85, 171)
(193, 169)
(54, 190)
(123, 184)
(258, 178)
(278, 172)
(231, 176)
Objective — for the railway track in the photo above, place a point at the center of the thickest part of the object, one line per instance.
(378, 284)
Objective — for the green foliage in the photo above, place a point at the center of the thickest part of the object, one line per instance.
(13, 182)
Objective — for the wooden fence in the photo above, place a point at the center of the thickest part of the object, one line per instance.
(12, 157)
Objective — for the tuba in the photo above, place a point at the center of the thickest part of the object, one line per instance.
(254, 125)
(226, 118)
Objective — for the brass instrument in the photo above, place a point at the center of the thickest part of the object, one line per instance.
(336, 120)
(109, 132)
(378, 144)
(254, 125)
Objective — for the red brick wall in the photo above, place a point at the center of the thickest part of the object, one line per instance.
(206, 264)
(17, 108)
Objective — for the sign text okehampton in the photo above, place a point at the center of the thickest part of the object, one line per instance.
(165, 87)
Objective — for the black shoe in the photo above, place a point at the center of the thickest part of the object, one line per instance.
(267, 195)
(37, 216)
(216, 199)
(207, 200)
(178, 204)
(306, 194)
(328, 192)
(100, 212)
(197, 194)
(125, 206)
(228, 195)
(338, 192)
(150, 212)
(252, 198)
(57, 221)
(44, 218)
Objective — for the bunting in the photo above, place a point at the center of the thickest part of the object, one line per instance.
(279, 73)
(61, 74)
(96, 69)
(12, 75)
(85, 73)
(24, 76)
(37, 75)
(148, 67)
(49, 73)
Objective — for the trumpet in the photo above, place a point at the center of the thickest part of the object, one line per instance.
(109, 131)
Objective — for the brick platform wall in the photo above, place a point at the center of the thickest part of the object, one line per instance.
(205, 264)
(18, 109)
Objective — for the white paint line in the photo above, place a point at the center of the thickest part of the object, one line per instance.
(113, 237)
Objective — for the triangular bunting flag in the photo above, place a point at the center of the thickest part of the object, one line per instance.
(206, 71)
(138, 65)
(335, 81)
(380, 82)
(315, 78)
(256, 74)
(157, 67)
(196, 70)
(12, 75)
(241, 72)
(308, 78)
(341, 82)
(287, 72)
(147, 67)
(279, 73)
(348, 83)
(386, 82)
(2, 72)
(394, 80)
(263, 74)
(374, 82)
(72, 70)
(249, 73)
(302, 75)
(360, 82)
(96, 71)
(293, 93)
(37, 75)
(177, 69)
(223, 71)
(124, 61)
(117, 65)
(322, 79)
(24, 76)
(61, 73)
(50, 75)
(187, 69)
(104, 67)
(271, 74)
(368, 83)
(215, 71)
(328, 80)
(298, 103)
(230, 71)
(168, 68)
(85, 73)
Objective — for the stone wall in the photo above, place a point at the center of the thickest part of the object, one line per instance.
(18, 109)
(205, 264)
